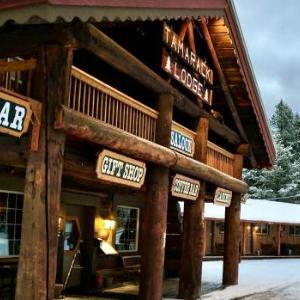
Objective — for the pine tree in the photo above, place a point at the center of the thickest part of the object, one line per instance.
(283, 181)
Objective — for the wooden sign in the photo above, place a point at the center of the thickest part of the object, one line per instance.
(15, 114)
(116, 168)
(200, 79)
(223, 197)
(185, 187)
(173, 67)
(182, 139)
(176, 45)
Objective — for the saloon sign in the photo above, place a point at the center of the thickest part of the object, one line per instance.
(185, 187)
(116, 168)
(195, 75)
(15, 114)
(223, 197)
(182, 140)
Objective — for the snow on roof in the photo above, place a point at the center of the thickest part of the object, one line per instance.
(258, 211)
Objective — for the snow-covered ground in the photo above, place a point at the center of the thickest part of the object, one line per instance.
(277, 279)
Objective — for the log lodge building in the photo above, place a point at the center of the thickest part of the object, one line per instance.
(111, 112)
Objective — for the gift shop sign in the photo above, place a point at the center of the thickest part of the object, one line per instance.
(15, 114)
(185, 66)
(185, 187)
(223, 197)
(116, 168)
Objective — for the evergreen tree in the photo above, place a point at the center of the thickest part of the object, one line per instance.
(282, 182)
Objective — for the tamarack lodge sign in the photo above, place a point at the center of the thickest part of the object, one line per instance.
(15, 114)
(116, 168)
(222, 197)
(195, 75)
(185, 187)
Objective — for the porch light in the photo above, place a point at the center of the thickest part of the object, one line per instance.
(109, 224)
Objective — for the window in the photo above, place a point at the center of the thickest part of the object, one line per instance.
(127, 228)
(221, 227)
(262, 229)
(11, 206)
(294, 230)
(72, 235)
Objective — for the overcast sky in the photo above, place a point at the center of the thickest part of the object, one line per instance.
(271, 29)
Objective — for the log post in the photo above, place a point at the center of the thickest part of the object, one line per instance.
(232, 231)
(194, 228)
(243, 239)
(32, 266)
(38, 255)
(278, 239)
(155, 212)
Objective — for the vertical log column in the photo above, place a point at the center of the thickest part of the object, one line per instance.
(155, 211)
(232, 231)
(37, 265)
(194, 228)
(278, 239)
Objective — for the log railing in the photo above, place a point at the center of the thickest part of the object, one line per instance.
(16, 73)
(96, 99)
(220, 159)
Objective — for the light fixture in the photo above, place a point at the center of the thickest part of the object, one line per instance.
(109, 224)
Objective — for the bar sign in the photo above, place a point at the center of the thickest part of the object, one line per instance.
(185, 187)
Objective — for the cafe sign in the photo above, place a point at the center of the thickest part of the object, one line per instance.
(182, 140)
(116, 168)
(185, 187)
(15, 114)
(186, 66)
(222, 197)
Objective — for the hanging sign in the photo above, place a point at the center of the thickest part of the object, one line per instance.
(117, 168)
(193, 73)
(185, 187)
(222, 197)
(182, 140)
(15, 114)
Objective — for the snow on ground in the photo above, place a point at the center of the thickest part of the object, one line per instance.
(258, 279)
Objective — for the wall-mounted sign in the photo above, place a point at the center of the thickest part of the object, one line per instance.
(223, 197)
(15, 114)
(195, 75)
(185, 187)
(182, 140)
(116, 168)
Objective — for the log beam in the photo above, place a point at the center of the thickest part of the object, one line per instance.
(155, 212)
(194, 228)
(95, 131)
(20, 40)
(232, 231)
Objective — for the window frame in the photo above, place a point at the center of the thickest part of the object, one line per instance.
(137, 228)
(259, 231)
(294, 230)
(15, 193)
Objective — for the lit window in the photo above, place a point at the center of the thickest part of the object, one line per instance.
(72, 235)
(11, 206)
(294, 230)
(262, 229)
(127, 228)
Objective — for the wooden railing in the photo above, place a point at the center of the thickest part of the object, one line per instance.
(16, 74)
(99, 100)
(220, 159)
(96, 99)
